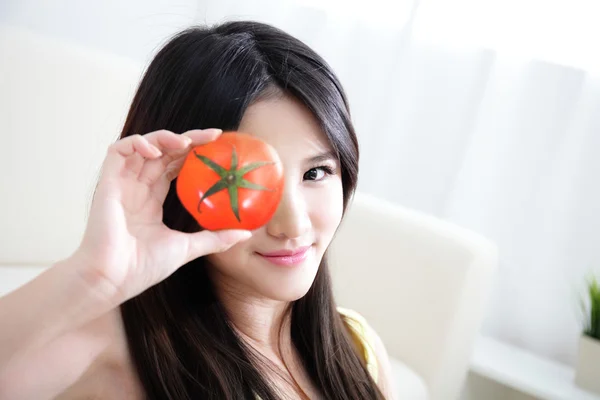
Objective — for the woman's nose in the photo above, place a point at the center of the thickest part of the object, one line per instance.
(291, 220)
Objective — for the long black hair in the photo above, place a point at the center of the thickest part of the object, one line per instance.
(180, 338)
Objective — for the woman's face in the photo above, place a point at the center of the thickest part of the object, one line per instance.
(281, 259)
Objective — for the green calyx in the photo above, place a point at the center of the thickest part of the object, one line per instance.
(231, 179)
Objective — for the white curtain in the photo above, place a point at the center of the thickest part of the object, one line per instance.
(486, 113)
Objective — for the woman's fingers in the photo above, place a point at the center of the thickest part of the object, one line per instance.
(148, 156)
(167, 140)
(171, 162)
(135, 143)
(206, 242)
(126, 156)
(203, 136)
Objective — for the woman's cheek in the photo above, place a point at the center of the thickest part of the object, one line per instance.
(326, 210)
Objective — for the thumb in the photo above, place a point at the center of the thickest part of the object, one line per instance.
(207, 242)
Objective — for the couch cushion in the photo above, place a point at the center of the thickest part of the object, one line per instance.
(407, 383)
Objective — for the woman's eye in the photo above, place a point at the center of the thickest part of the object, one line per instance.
(316, 174)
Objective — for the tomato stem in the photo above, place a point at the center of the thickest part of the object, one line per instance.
(231, 179)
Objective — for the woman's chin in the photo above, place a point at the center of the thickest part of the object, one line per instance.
(286, 284)
(286, 292)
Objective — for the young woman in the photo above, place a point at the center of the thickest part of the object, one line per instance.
(149, 306)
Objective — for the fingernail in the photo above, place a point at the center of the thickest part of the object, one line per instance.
(215, 131)
(188, 140)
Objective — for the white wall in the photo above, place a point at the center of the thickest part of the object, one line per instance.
(131, 29)
(42, 211)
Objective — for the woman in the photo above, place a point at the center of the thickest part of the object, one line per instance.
(151, 307)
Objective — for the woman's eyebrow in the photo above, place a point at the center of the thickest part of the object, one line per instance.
(319, 158)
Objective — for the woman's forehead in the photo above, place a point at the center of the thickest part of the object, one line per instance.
(287, 125)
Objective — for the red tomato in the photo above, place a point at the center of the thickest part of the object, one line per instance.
(234, 182)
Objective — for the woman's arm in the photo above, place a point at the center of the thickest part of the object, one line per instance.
(51, 331)
(58, 300)
(48, 332)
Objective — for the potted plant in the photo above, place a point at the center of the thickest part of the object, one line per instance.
(587, 374)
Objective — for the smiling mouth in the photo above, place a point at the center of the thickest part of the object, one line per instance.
(287, 257)
(285, 252)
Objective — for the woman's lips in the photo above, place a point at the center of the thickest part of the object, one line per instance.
(287, 257)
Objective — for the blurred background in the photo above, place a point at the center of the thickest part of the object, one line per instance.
(482, 113)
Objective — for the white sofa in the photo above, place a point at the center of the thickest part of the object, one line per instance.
(421, 282)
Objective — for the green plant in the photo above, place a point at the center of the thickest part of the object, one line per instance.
(592, 312)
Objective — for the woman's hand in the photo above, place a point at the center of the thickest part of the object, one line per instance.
(126, 247)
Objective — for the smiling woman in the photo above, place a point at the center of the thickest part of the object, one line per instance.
(261, 315)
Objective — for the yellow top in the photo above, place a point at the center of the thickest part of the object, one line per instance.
(364, 338)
